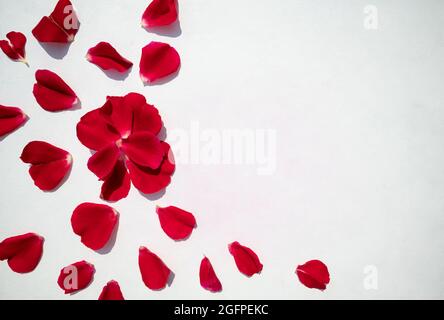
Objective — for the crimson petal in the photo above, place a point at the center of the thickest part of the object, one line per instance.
(118, 115)
(178, 224)
(111, 291)
(146, 117)
(158, 61)
(117, 184)
(76, 276)
(246, 260)
(144, 148)
(159, 13)
(15, 47)
(104, 161)
(313, 274)
(155, 274)
(23, 252)
(208, 278)
(107, 58)
(94, 223)
(10, 119)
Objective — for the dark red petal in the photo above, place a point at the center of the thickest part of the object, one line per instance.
(52, 93)
(94, 223)
(15, 47)
(155, 274)
(106, 57)
(104, 161)
(208, 278)
(23, 252)
(246, 260)
(40, 152)
(150, 181)
(144, 149)
(76, 276)
(117, 184)
(95, 132)
(313, 274)
(61, 26)
(118, 115)
(159, 60)
(10, 119)
(177, 223)
(159, 13)
(146, 116)
(111, 291)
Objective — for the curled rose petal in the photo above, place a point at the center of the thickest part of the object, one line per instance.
(107, 58)
(313, 274)
(52, 93)
(178, 224)
(111, 291)
(155, 274)
(208, 278)
(15, 47)
(158, 61)
(60, 26)
(10, 119)
(94, 223)
(159, 13)
(76, 276)
(49, 164)
(144, 148)
(117, 185)
(23, 252)
(246, 260)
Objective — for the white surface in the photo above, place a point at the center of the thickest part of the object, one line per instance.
(359, 119)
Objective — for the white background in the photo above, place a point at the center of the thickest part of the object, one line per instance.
(360, 164)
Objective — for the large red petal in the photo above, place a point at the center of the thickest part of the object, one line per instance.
(150, 181)
(158, 61)
(144, 148)
(107, 58)
(117, 184)
(15, 47)
(313, 274)
(146, 117)
(10, 119)
(118, 115)
(52, 93)
(155, 274)
(111, 291)
(23, 252)
(160, 13)
(76, 276)
(94, 223)
(246, 260)
(104, 161)
(208, 278)
(178, 224)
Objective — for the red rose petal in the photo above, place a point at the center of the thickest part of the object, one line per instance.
(10, 119)
(208, 278)
(159, 60)
(313, 274)
(159, 13)
(104, 161)
(15, 47)
(117, 184)
(49, 164)
(52, 93)
(155, 274)
(107, 58)
(144, 148)
(94, 223)
(246, 260)
(178, 224)
(146, 117)
(76, 276)
(150, 181)
(23, 252)
(61, 26)
(111, 291)
(118, 114)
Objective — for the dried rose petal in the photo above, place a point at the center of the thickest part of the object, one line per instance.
(107, 58)
(177, 223)
(111, 291)
(208, 278)
(23, 252)
(246, 260)
(158, 61)
(155, 274)
(313, 274)
(76, 276)
(10, 119)
(15, 47)
(159, 13)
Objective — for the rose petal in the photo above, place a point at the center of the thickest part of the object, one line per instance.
(208, 278)
(111, 291)
(155, 274)
(104, 161)
(118, 115)
(52, 93)
(144, 149)
(178, 224)
(117, 184)
(150, 181)
(61, 26)
(76, 276)
(159, 13)
(313, 274)
(106, 57)
(246, 260)
(49, 164)
(10, 119)
(94, 223)
(158, 61)
(23, 252)
(15, 47)
(146, 117)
